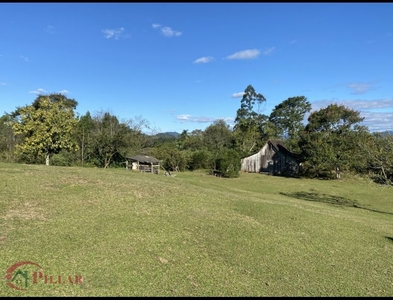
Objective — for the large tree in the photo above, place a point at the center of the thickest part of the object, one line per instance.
(329, 140)
(287, 118)
(217, 136)
(53, 98)
(84, 136)
(219, 141)
(46, 126)
(248, 120)
(378, 153)
(108, 139)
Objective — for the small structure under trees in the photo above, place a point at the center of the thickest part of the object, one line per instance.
(273, 158)
(143, 163)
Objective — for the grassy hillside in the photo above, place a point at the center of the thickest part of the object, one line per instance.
(136, 234)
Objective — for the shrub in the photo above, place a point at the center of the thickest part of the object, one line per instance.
(200, 159)
(228, 163)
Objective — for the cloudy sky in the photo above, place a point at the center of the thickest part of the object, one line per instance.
(183, 66)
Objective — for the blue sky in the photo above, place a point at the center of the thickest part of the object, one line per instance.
(183, 66)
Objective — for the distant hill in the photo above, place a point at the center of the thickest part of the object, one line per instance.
(169, 134)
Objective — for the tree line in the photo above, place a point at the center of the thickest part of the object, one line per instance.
(49, 131)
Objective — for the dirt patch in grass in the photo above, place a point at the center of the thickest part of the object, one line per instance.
(28, 211)
(2, 238)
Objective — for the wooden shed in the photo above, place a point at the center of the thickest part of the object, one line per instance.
(273, 158)
(143, 163)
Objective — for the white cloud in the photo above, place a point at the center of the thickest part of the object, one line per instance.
(183, 117)
(167, 31)
(269, 51)
(42, 91)
(24, 58)
(204, 60)
(50, 29)
(189, 118)
(228, 119)
(360, 88)
(3, 83)
(238, 95)
(245, 54)
(115, 33)
(39, 91)
(368, 105)
(293, 42)
(356, 104)
(378, 121)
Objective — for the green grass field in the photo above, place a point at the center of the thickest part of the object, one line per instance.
(137, 234)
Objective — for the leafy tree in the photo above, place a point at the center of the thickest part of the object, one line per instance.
(161, 138)
(47, 128)
(108, 140)
(8, 140)
(173, 159)
(248, 121)
(228, 164)
(333, 118)
(329, 140)
(217, 136)
(200, 159)
(53, 98)
(287, 118)
(378, 151)
(84, 133)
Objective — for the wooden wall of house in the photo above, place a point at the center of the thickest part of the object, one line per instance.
(258, 162)
(252, 163)
(267, 160)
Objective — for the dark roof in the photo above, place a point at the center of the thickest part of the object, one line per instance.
(144, 159)
(280, 146)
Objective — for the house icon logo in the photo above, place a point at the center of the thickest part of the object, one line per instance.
(18, 277)
(25, 274)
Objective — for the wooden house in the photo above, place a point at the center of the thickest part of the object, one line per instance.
(273, 158)
(143, 163)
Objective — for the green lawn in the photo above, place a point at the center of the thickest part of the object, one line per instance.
(137, 234)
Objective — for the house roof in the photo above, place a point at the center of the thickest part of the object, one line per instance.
(144, 159)
(280, 146)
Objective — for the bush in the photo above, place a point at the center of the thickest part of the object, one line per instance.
(228, 164)
(200, 159)
(63, 159)
(172, 158)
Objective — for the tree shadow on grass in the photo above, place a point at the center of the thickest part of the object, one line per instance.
(330, 199)
(389, 238)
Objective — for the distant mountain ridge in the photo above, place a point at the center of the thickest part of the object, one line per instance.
(168, 134)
